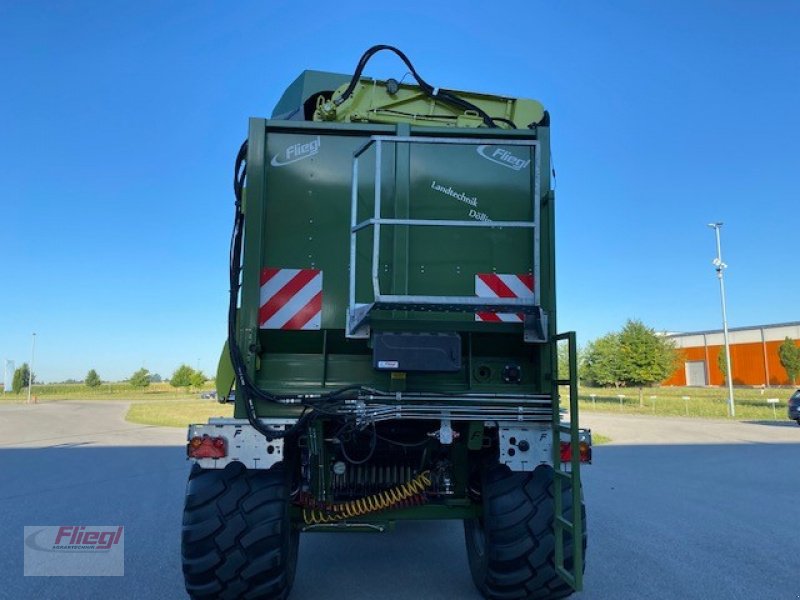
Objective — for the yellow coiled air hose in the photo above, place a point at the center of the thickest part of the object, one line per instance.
(391, 498)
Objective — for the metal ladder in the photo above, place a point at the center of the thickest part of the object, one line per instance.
(358, 313)
(562, 525)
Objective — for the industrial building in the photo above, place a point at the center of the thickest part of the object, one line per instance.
(754, 355)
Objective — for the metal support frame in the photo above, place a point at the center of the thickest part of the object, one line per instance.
(358, 313)
(561, 525)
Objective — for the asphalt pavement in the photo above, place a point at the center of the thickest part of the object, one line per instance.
(677, 508)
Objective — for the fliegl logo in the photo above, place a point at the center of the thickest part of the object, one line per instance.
(74, 538)
(502, 157)
(74, 550)
(297, 152)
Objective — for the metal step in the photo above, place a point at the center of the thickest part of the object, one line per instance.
(534, 323)
(567, 577)
(568, 525)
(468, 304)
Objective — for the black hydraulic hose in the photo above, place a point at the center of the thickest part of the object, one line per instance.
(370, 452)
(427, 88)
(244, 384)
(443, 95)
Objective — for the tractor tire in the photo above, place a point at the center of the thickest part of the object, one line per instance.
(511, 548)
(238, 540)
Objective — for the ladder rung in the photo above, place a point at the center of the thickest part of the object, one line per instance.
(566, 576)
(565, 429)
(568, 525)
(563, 382)
(564, 474)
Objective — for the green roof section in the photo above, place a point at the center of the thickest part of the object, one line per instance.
(306, 85)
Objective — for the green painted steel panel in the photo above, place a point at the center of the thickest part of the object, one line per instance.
(298, 200)
(307, 212)
(307, 217)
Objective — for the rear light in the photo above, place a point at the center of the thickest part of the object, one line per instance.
(584, 450)
(566, 452)
(207, 447)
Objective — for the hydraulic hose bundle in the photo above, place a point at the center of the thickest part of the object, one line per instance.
(439, 94)
(244, 384)
(411, 493)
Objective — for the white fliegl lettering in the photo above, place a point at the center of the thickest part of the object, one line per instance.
(297, 152)
(502, 157)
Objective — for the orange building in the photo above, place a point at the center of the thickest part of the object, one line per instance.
(754, 355)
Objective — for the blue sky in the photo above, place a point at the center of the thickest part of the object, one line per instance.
(119, 124)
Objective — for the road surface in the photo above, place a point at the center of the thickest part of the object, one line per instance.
(677, 508)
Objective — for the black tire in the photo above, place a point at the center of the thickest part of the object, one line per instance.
(238, 540)
(511, 549)
(798, 421)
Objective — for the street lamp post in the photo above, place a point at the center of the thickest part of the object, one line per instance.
(30, 370)
(720, 266)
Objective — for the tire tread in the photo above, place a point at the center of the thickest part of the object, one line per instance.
(519, 559)
(237, 539)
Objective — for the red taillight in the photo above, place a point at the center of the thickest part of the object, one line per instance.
(207, 447)
(566, 452)
(584, 449)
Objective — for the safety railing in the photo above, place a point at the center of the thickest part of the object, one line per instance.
(358, 312)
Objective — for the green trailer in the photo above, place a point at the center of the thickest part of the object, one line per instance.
(392, 347)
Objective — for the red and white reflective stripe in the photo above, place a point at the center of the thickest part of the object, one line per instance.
(290, 299)
(494, 285)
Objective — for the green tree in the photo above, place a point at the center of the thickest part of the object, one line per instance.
(155, 378)
(722, 364)
(645, 357)
(198, 379)
(182, 377)
(22, 376)
(600, 363)
(789, 353)
(92, 379)
(563, 360)
(141, 378)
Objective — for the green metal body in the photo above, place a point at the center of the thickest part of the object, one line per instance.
(298, 216)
